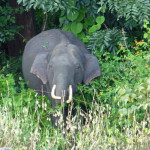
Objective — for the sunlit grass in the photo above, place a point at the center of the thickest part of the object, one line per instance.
(19, 130)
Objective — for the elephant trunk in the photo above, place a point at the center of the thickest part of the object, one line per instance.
(57, 90)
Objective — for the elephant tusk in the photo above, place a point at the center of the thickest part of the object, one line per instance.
(53, 93)
(70, 94)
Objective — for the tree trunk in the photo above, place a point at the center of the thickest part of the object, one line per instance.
(26, 19)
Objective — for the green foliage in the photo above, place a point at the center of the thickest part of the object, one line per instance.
(139, 93)
(106, 40)
(46, 6)
(147, 33)
(133, 12)
(11, 66)
(124, 84)
(27, 115)
(17, 98)
(110, 39)
(76, 22)
(7, 21)
(46, 21)
(83, 18)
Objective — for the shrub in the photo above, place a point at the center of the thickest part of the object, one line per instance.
(106, 40)
(124, 83)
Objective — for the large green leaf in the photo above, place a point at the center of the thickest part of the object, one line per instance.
(72, 15)
(100, 19)
(86, 39)
(61, 19)
(76, 27)
(94, 28)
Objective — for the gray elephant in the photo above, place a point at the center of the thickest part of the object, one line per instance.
(54, 62)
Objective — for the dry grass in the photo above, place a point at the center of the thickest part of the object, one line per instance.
(19, 131)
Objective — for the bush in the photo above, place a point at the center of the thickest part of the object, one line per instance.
(106, 40)
(124, 84)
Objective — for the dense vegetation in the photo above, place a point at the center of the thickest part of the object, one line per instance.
(117, 105)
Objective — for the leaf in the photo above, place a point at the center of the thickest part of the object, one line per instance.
(72, 15)
(61, 19)
(81, 14)
(67, 27)
(94, 28)
(86, 39)
(140, 87)
(72, 3)
(145, 106)
(19, 1)
(43, 46)
(89, 21)
(148, 88)
(100, 19)
(81, 35)
(121, 92)
(62, 13)
(125, 98)
(133, 95)
(103, 9)
(76, 27)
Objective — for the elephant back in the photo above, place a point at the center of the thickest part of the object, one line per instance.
(75, 41)
(47, 40)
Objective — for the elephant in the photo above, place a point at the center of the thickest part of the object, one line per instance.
(55, 61)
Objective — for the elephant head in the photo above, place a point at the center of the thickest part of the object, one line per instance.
(63, 68)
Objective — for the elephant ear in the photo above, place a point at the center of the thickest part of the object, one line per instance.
(39, 66)
(92, 68)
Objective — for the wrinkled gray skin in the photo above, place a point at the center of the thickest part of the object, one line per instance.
(57, 57)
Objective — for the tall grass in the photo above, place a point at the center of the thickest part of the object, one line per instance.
(20, 130)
